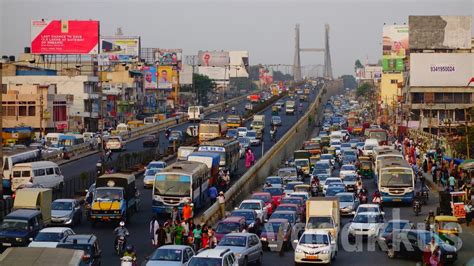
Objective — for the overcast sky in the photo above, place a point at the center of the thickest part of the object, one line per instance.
(265, 28)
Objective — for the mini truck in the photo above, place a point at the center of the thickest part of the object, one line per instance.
(302, 160)
(290, 107)
(258, 124)
(115, 198)
(323, 213)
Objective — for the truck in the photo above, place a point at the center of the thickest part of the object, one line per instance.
(258, 124)
(29, 256)
(35, 199)
(323, 213)
(234, 121)
(302, 160)
(115, 198)
(290, 107)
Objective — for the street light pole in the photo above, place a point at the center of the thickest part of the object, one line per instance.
(467, 133)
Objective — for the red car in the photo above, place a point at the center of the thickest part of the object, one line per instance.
(277, 194)
(298, 201)
(267, 198)
(229, 225)
(291, 207)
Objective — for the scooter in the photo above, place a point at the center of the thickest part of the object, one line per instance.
(416, 207)
(128, 261)
(120, 246)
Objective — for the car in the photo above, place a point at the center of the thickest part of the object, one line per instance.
(280, 104)
(303, 195)
(246, 247)
(410, 243)
(249, 106)
(86, 242)
(250, 215)
(267, 198)
(277, 194)
(19, 227)
(347, 169)
(150, 141)
(353, 143)
(50, 237)
(66, 212)
(156, 165)
(149, 177)
(229, 225)
(324, 165)
(252, 135)
(366, 225)
(345, 146)
(348, 159)
(276, 121)
(242, 131)
(295, 200)
(315, 246)
(214, 257)
(115, 143)
(335, 143)
(288, 174)
(388, 228)
(232, 133)
(291, 216)
(334, 189)
(369, 208)
(256, 204)
(290, 186)
(173, 255)
(350, 181)
(290, 207)
(176, 136)
(327, 156)
(331, 180)
(269, 234)
(275, 181)
(348, 203)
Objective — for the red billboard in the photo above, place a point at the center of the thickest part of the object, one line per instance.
(64, 37)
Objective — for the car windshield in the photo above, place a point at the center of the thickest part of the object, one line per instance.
(368, 209)
(320, 223)
(234, 241)
(107, 194)
(285, 173)
(283, 215)
(196, 261)
(48, 237)
(322, 166)
(345, 198)
(398, 225)
(61, 206)
(333, 181)
(348, 168)
(286, 208)
(150, 172)
(314, 239)
(242, 129)
(367, 218)
(291, 200)
(250, 206)
(301, 196)
(350, 153)
(332, 191)
(251, 134)
(248, 215)
(167, 255)
(274, 180)
(14, 224)
(350, 178)
(326, 157)
(323, 177)
(225, 228)
(265, 198)
(274, 191)
(243, 140)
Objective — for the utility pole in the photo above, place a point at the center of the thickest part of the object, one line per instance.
(466, 127)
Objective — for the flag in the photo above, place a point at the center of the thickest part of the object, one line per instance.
(469, 83)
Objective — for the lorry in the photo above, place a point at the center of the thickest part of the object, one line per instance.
(302, 160)
(234, 121)
(290, 107)
(323, 213)
(115, 198)
(29, 256)
(35, 199)
(258, 124)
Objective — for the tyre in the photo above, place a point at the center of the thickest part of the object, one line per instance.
(246, 261)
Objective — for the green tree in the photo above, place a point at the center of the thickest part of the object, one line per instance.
(203, 85)
(278, 75)
(349, 81)
(364, 90)
(358, 64)
(253, 72)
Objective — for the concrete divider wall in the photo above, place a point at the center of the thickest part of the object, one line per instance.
(270, 162)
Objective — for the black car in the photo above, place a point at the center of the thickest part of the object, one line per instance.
(20, 227)
(412, 242)
(88, 243)
(150, 141)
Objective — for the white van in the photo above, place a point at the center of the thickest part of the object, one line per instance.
(369, 146)
(195, 113)
(52, 139)
(44, 173)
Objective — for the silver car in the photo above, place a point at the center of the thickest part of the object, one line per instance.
(66, 212)
(246, 247)
(172, 255)
(348, 203)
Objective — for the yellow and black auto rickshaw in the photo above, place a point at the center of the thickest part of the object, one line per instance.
(447, 227)
(275, 110)
(365, 167)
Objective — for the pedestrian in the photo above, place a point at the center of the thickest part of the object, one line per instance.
(221, 200)
(422, 181)
(154, 226)
(191, 227)
(168, 233)
(109, 155)
(252, 157)
(102, 157)
(226, 180)
(175, 215)
(468, 209)
(452, 182)
(212, 238)
(178, 233)
(99, 142)
(248, 158)
(213, 194)
(197, 234)
(186, 232)
(177, 120)
(205, 236)
(187, 212)
(129, 133)
(161, 236)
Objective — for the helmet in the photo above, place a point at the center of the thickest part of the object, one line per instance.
(122, 223)
(129, 248)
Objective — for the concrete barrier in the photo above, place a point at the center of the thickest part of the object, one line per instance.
(271, 161)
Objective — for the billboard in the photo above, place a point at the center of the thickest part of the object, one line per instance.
(214, 73)
(393, 64)
(265, 76)
(166, 77)
(440, 32)
(213, 58)
(150, 77)
(441, 69)
(76, 37)
(395, 41)
(168, 57)
(120, 45)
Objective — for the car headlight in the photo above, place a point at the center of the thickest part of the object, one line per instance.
(18, 239)
(68, 221)
(325, 251)
(298, 250)
(238, 255)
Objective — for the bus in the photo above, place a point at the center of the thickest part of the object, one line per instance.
(229, 151)
(380, 155)
(396, 181)
(195, 113)
(377, 133)
(12, 157)
(212, 161)
(178, 184)
(212, 129)
(52, 139)
(68, 140)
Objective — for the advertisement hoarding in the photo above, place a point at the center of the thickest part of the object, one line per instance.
(440, 32)
(120, 46)
(166, 77)
(150, 77)
(395, 41)
(441, 69)
(169, 57)
(393, 64)
(214, 73)
(265, 76)
(108, 59)
(65, 37)
(213, 58)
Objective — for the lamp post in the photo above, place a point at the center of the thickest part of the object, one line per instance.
(466, 127)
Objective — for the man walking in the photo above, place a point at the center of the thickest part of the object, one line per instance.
(221, 200)
(213, 194)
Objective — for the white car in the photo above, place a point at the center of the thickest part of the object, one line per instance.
(258, 205)
(115, 143)
(215, 256)
(330, 181)
(49, 237)
(173, 255)
(242, 131)
(252, 135)
(315, 246)
(365, 224)
(369, 208)
(347, 169)
(149, 177)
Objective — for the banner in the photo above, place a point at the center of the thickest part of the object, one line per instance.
(151, 102)
(108, 59)
(265, 76)
(64, 37)
(168, 57)
(393, 64)
(395, 41)
(166, 79)
(150, 76)
(213, 58)
(129, 46)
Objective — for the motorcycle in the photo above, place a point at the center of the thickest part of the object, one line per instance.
(128, 261)
(272, 135)
(424, 197)
(416, 207)
(120, 246)
(314, 190)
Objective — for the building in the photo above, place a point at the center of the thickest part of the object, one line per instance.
(390, 87)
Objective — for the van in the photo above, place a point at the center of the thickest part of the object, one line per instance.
(52, 139)
(369, 146)
(43, 173)
(195, 113)
(20, 227)
(68, 140)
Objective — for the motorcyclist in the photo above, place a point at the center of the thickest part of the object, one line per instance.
(233, 110)
(268, 184)
(315, 185)
(130, 252)
(119, 231)
(377, 198)
(362, 193)
(273, 131)
(430, 219)
(301, 108)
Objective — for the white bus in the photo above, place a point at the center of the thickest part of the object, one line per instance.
(195, 113)
(396, 180)
(229, 151)
(44, 173)
(180, 183)
(52, 139)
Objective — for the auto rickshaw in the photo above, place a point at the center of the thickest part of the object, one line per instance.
(458, 199)
(365, 168)
(447, 227)
(302, 188)
(314, 159)
(331, 150)
(325, 140)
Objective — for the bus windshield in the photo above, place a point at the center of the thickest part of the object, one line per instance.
(379, 135)
(397, 178)
(209, 128)
(173, 185)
